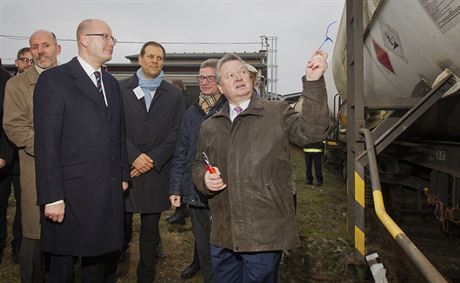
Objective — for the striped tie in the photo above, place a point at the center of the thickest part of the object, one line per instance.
(97, 74)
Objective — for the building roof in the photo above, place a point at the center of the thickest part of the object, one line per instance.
(201, 56)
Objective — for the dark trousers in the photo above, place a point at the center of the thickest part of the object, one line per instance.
(149, 239)
(230, 266)
(31, 262)
(201, 226)
(314, 158)
(95, 269)
(5, 191)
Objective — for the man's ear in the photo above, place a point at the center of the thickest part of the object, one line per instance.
(220, 89)
(83, 40)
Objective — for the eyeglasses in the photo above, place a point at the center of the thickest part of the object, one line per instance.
(208, 78)
(106, 37)
(26, 60)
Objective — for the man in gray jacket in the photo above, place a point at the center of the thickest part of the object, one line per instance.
(250, 188)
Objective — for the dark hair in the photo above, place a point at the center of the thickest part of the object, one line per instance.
(22, 51)
(225, 59)
(152, 43)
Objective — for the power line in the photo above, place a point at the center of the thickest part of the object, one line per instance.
(18, 37)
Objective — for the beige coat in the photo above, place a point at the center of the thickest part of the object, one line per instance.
(18, 126)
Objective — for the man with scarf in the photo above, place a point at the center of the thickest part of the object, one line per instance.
(153, 113)
(181, 187)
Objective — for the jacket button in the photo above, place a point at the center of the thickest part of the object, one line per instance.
(112, 179)
(236, 248)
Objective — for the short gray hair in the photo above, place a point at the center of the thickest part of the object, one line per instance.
(225, 59)
(210, 63)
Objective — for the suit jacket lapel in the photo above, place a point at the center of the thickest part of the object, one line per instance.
(84, 83)
(110, 93)
(140, 103)
(32, 75)
(158, 93)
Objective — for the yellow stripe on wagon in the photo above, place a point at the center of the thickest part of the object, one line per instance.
(359, 190)
(359, 240)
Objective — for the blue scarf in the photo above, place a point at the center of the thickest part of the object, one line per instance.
(149, 85)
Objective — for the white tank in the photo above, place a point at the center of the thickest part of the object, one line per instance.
(408, 41)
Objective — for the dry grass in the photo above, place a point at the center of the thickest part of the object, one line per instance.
(325, 255)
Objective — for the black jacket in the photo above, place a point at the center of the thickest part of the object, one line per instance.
(80, 157)
(181, 169)
(155, 134)
(8, 151)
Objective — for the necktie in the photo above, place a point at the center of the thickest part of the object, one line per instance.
(238, 110)
(148, 100)
(97, 74)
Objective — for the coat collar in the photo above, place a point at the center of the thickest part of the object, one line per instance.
(133, 82)
(31, 75)
(85, 85)
(256, 108)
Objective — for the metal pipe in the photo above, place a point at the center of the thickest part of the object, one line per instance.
(429, 272)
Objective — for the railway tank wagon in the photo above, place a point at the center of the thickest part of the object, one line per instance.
(411, 102)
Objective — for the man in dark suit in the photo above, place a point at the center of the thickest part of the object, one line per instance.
(9, 175)
(81, 160)
(153, 111)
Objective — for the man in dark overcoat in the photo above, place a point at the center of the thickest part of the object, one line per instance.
(81, 161)
(153, 111)
(9, 175)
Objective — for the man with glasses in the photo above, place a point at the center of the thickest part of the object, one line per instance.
(23, 60)
(181, 188)
(81, 162)
(153, 111)
(250, 188)
(18, 125)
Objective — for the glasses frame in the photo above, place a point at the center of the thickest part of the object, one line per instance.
(209, 79)
(104, 36)
(26, 60)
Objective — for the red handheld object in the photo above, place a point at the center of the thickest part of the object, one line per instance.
(209, 167)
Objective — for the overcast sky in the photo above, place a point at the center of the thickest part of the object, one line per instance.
(299, 25)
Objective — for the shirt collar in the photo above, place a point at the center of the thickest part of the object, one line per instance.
(39, 70)
(89, 70)
(243, 105)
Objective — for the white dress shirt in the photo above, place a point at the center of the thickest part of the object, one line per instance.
(90, 72)
(233, 112)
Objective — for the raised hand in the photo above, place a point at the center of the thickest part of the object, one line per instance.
(316, 65)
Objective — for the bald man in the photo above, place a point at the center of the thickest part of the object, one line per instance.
(82, 166)
(18, 126)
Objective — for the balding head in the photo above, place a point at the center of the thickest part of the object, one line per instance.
(85, 26)
(95, 42)
(44, 48)
(42, 33)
